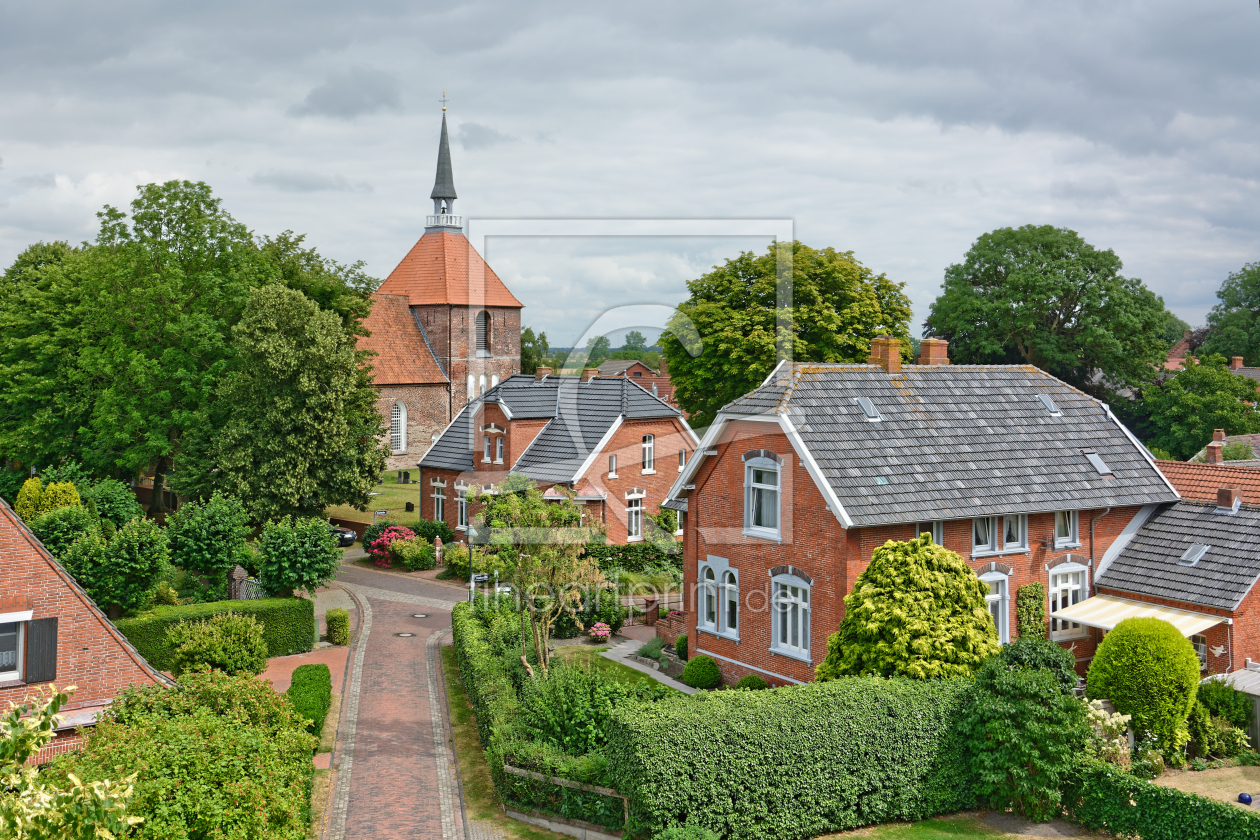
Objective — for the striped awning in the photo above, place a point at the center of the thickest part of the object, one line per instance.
(1106, 611)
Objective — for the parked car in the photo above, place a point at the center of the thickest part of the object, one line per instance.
(345, 537)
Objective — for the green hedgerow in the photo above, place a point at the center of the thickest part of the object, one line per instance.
(1226, 702)
(229, 642)
(568, 705)
(918, 610)
(1030, 610)
(686, 832)
(702, 672)
(1150, 672)
(246, 699)
(429, 530)
(310, 692)
(752, 682)
(338, 621)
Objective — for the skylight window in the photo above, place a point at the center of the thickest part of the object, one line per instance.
(1193, 554)
(1099, 463)
(868, 408)
(1050, 406)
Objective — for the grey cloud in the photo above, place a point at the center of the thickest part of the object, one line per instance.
(476, 136)
(353, 93)
(1086, 193)
(42, 181)
(306, 181)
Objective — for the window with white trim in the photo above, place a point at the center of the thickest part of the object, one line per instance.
(935, 529)
(719, 597)
(997, 600)
(634, 518)
(1014, 532)
(1200, 648)
(12, 636)
(708, 599)
(481, 383)
(730, 602)
(398, 428)
(790, 614)
(998, 534)
(612, 466)
(485, 448)
(439, 504)
(472, 386)
(498, 450)
(682, 459)
(984, 536)
(649, 453)
(461, 508)
(761, 497)
(1066, 529)
(1067, 587)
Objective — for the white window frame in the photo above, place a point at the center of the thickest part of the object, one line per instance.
(790, 611)
(682, 459)
(678, 517)
(1060, 629)
(439, 504)
(612, 466)
(751, 490)
(14, 674)
(498, 450)
(1003, 602)
(991, 547)
(461, 509)
(485, 449)
(935, 527)
(1200, 648)
(710, 608)
(398, 427)
(649, 454)
(728, 603)
(1073, 540)
(1021, 542)
(481, 383)
(634, 519)
(718, 592)
(472, 386)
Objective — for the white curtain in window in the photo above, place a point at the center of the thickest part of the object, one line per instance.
(791, 604)
(763, 498)
(983, 533)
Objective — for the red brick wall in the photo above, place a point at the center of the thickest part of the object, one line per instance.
(814, 542)
(91, 653)
(452, 332)
(427, 414)
(627, 444)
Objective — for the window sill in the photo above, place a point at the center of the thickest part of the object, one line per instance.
(768, 536)
(613, 475)
(461, 527)
(7, 682)
(1060, 546)
(485, 460)
(678, 533)
(1004, 552)
(730, 637)
(498, 460)
(649, 472)
(791, 654)
(634, 539)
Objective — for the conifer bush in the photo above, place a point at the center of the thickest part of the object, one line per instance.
(30, 500)
(680, 646)
(918, 610)
(1226, 702)
(702, 672)
(752, 682)
(1030, 610)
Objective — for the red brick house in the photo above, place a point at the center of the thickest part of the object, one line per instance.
(51, 631)
(444, 327)
(613, 443)
(797, 483)
(657, 382)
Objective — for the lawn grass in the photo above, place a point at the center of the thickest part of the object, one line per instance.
(328, 735)
(319, 800)
(588, 655)
(480, 799)
(393, 498)
(943, 828)
(1223, 783)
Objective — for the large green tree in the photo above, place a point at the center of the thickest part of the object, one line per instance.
(295, 426)
(1235, 321)
(732, 320)
(534, 350)
(1178, 413)
(1043, 296)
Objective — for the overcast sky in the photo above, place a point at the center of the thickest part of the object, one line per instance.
(900, 131)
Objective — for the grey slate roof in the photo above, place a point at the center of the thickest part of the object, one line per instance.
(1148, 564)
(955, 441)
(580, 414)
(444, 183)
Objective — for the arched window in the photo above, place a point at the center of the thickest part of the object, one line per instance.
(483, 334)
(791, 613)
(472, 386)
(997, 598)
(398, 428)
(730, 602)
(708, 600)
(494, 380)
(481, 382)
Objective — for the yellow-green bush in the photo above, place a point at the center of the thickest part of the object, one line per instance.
(338, 621)
(228, 642)
(30, 500)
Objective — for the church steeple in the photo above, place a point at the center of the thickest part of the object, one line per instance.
(443, 194)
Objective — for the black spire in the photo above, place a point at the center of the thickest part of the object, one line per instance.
(444, 185)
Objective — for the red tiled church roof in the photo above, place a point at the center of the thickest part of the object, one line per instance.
(403, 357)
(1201, 481)
(443, 267)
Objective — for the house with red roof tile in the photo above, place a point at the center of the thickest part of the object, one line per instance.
(443, 326)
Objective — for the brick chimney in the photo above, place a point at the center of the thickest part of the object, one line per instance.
(886, 352)
(934, 351)
(1235, 363)
(587, 373)
(1228, 499)
(1213, 453)
(664, 367)
(541, 373)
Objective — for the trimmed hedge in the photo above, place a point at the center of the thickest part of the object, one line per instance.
(310, 692)
(288, 626)
(338, 621)
(1103, 796)
(797, 761)
(702, 672)
(634, 557)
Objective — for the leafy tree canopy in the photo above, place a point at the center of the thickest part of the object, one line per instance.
(1043, 296)
(534, 350)
(1234, 323)
(1178, 413)
(635, 342)
(731, 322)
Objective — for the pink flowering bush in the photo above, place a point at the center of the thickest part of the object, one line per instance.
(600, 632)
(379, 548)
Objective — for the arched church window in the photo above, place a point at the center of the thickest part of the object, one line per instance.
(472, 386)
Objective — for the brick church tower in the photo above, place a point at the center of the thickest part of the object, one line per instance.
(444, 326)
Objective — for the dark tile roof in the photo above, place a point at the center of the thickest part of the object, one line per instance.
(580, 414)
(1201, 481)
(1148, 564)
(956, 441)
(1249, 372)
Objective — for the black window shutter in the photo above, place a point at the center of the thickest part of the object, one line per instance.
(41, 650)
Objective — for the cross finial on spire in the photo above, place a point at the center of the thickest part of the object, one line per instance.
(443, 100)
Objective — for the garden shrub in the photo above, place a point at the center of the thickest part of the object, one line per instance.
(297, 554)
(798, 761)
(1226, 702)
(124, 572)
(206, 537)
(378, 548)
(59, 529)
(1231, 740)
(680, 646)
(653, 648)
(414, 555)
(752, 682)
(57, 495)
(429, 530)
(228, 642)
(1032, 653)
(1236, 450)
(113, 501)
(569, 706)
(30, 500)
(11, 482)
(310, 692)
(338, 623)
(686, 832)
(1203, 739)
(702, 672)
(1150, 672)
(248, 700)
(605, 606)
(288, 626)
(1100, 796)
(1024, 732)
(1030, 610)
(918, 610)
(1108, 738)
(635, 557)
(371, 532)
